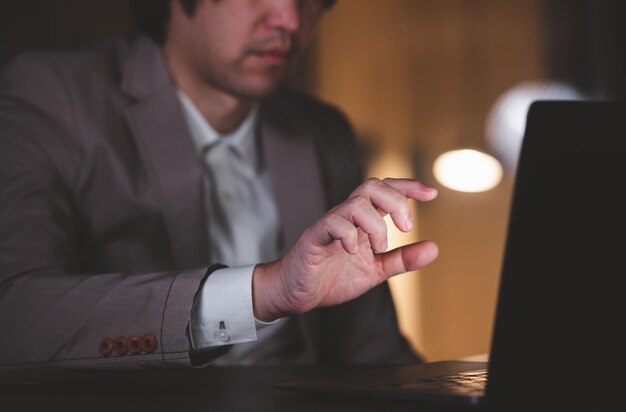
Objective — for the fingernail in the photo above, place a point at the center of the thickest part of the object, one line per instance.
(409, 223)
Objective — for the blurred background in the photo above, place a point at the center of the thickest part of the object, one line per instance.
(418, 79)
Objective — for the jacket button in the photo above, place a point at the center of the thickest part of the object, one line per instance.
(149, 343)
(134, 344)
(105, 346)
(120, 345)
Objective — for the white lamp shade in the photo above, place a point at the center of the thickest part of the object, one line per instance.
(506, 121)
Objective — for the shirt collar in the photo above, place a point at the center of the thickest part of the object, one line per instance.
(242, 139)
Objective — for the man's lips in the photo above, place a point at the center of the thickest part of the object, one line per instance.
(275, 56)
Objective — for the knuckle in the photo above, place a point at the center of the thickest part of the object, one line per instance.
(330, 220)
(333, 224)
(326, 223)
(357, 202)
(370, 183)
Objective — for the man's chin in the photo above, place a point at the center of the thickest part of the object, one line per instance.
(258, 89)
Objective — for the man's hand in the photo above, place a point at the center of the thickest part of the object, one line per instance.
(344, 254)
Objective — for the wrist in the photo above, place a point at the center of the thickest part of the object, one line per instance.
(266, 292)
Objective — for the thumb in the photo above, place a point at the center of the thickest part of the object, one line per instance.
(407, 258)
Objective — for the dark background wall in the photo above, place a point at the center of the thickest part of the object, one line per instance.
(587, 45)
(49, 24)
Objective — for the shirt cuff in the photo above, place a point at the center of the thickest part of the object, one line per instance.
(222, 313)
(260, 324)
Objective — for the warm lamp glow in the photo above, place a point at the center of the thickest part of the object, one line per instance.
(467, 170)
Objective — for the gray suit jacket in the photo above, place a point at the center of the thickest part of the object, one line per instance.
(102, 222)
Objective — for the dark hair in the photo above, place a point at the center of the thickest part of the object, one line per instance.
(150, 17)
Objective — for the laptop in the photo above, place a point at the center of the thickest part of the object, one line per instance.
(560, 315)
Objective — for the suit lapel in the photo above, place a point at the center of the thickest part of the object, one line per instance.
(158, 126)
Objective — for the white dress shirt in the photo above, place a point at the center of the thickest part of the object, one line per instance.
(243, 228)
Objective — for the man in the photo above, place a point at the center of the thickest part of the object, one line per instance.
(167, 201)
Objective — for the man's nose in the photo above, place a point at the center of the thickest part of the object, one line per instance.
(285, 15)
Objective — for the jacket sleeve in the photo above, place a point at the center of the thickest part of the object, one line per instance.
(51, 314)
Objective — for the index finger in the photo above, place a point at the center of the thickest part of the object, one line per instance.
(390, 197)
(412, 188)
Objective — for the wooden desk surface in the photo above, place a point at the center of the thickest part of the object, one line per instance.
(212, 389)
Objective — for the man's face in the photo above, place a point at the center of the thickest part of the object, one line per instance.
(243, 47)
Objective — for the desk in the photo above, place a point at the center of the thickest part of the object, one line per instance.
(213, 389)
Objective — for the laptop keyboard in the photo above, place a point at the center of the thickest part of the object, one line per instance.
(470, 383)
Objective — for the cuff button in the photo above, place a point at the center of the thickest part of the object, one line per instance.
(105, 346)
(149, 343)
(120, 345)
(222, 335)
(134, 345)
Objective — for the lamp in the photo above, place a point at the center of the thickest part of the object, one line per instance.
(467, 170)
(470, 168)
(506, 121)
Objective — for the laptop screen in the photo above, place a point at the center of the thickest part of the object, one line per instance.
(560, 311)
